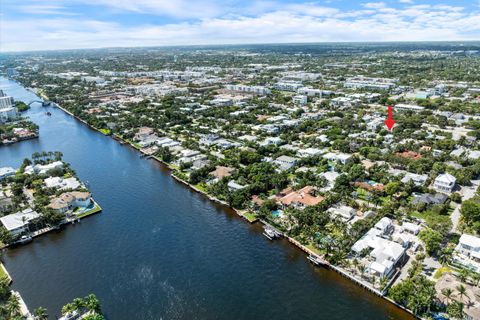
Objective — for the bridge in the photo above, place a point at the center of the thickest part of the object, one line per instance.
(44, 103)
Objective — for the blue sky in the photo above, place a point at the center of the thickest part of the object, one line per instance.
(70, 24)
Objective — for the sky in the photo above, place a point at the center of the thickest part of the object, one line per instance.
(27, 25)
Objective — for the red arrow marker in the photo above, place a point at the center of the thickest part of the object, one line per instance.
(390, 122)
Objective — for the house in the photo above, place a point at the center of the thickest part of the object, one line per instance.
(384, 225)
(299, 199)
(61, 183)
(467, 252)
(309, 152)
(6, 202)
(411, 227)
(233, 186)
(300, 99)
(70, 200)
(285, 162)
(271, 141)
(17, 223)
(384, 253)
(42, 169)
(142, 133)
(418, 179)
(345, 213)
(342, 157)
(221, 172)
(444, 183)
(6, 172)
(430, 199)
(331, 177)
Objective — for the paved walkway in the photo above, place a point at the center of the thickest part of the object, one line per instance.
(466, 193)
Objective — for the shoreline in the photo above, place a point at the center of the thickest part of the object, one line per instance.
(240, 214)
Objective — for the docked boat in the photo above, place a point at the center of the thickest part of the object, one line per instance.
(25, 239)
(270, 233)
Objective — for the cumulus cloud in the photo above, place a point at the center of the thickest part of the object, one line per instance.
(306, 22)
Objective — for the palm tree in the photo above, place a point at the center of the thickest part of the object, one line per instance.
(463, 275)
(40, 313)
(13, 306)
(461, 290)
(362, 269)
(78, 303)
(91, 303)
(447, 292)
(69, 307)
(383, 282)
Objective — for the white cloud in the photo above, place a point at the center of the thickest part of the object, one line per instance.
(293, 23)
(406, 1)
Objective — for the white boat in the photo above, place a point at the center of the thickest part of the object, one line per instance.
(25, 239)
(270, 233)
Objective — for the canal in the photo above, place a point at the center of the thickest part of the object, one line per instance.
(161, 251)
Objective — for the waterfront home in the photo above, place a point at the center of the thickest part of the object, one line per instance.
(6, 172)
(142, 133)
(299, 199)
(70, 200)
(17, 223)
(383, 254)
(343, 212)
(444, 183)
(221, 172)
(467, 252)
(285, 162)
(42, 169)
(61, 183)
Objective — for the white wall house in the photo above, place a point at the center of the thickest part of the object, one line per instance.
(17, 223)
(467, 252)
(444, 183)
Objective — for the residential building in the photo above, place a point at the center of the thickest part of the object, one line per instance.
(70, 200)
(285, 162)
(444, 183)
(17, 223)
(6, 172)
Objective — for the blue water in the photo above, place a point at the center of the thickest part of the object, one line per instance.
(160, 251)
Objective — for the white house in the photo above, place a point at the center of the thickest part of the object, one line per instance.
(385, 253)
(8, 114)
(418, 179)
(17, 223)
(468, 252)
(300, 99)
(343, 212)
(444, 183)
(42, 169)
(62, 184)
(285, 162)
(6, 172)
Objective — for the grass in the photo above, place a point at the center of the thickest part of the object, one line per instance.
(105, 131)
(94, 210)
(251, 217)
(201, 187)
(440, 271)
(314, 249)
(3, 273)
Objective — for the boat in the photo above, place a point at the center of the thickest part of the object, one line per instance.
(270, 233)
(25, 239)
(48, 113)
(316, 260)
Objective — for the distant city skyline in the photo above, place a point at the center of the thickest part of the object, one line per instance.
(78, 24)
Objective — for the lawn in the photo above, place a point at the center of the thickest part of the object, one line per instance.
(3, 273)
(201, 187)
(440, 271)
(94, 210)
(314, 249)
(105, 131)
(251, 217)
